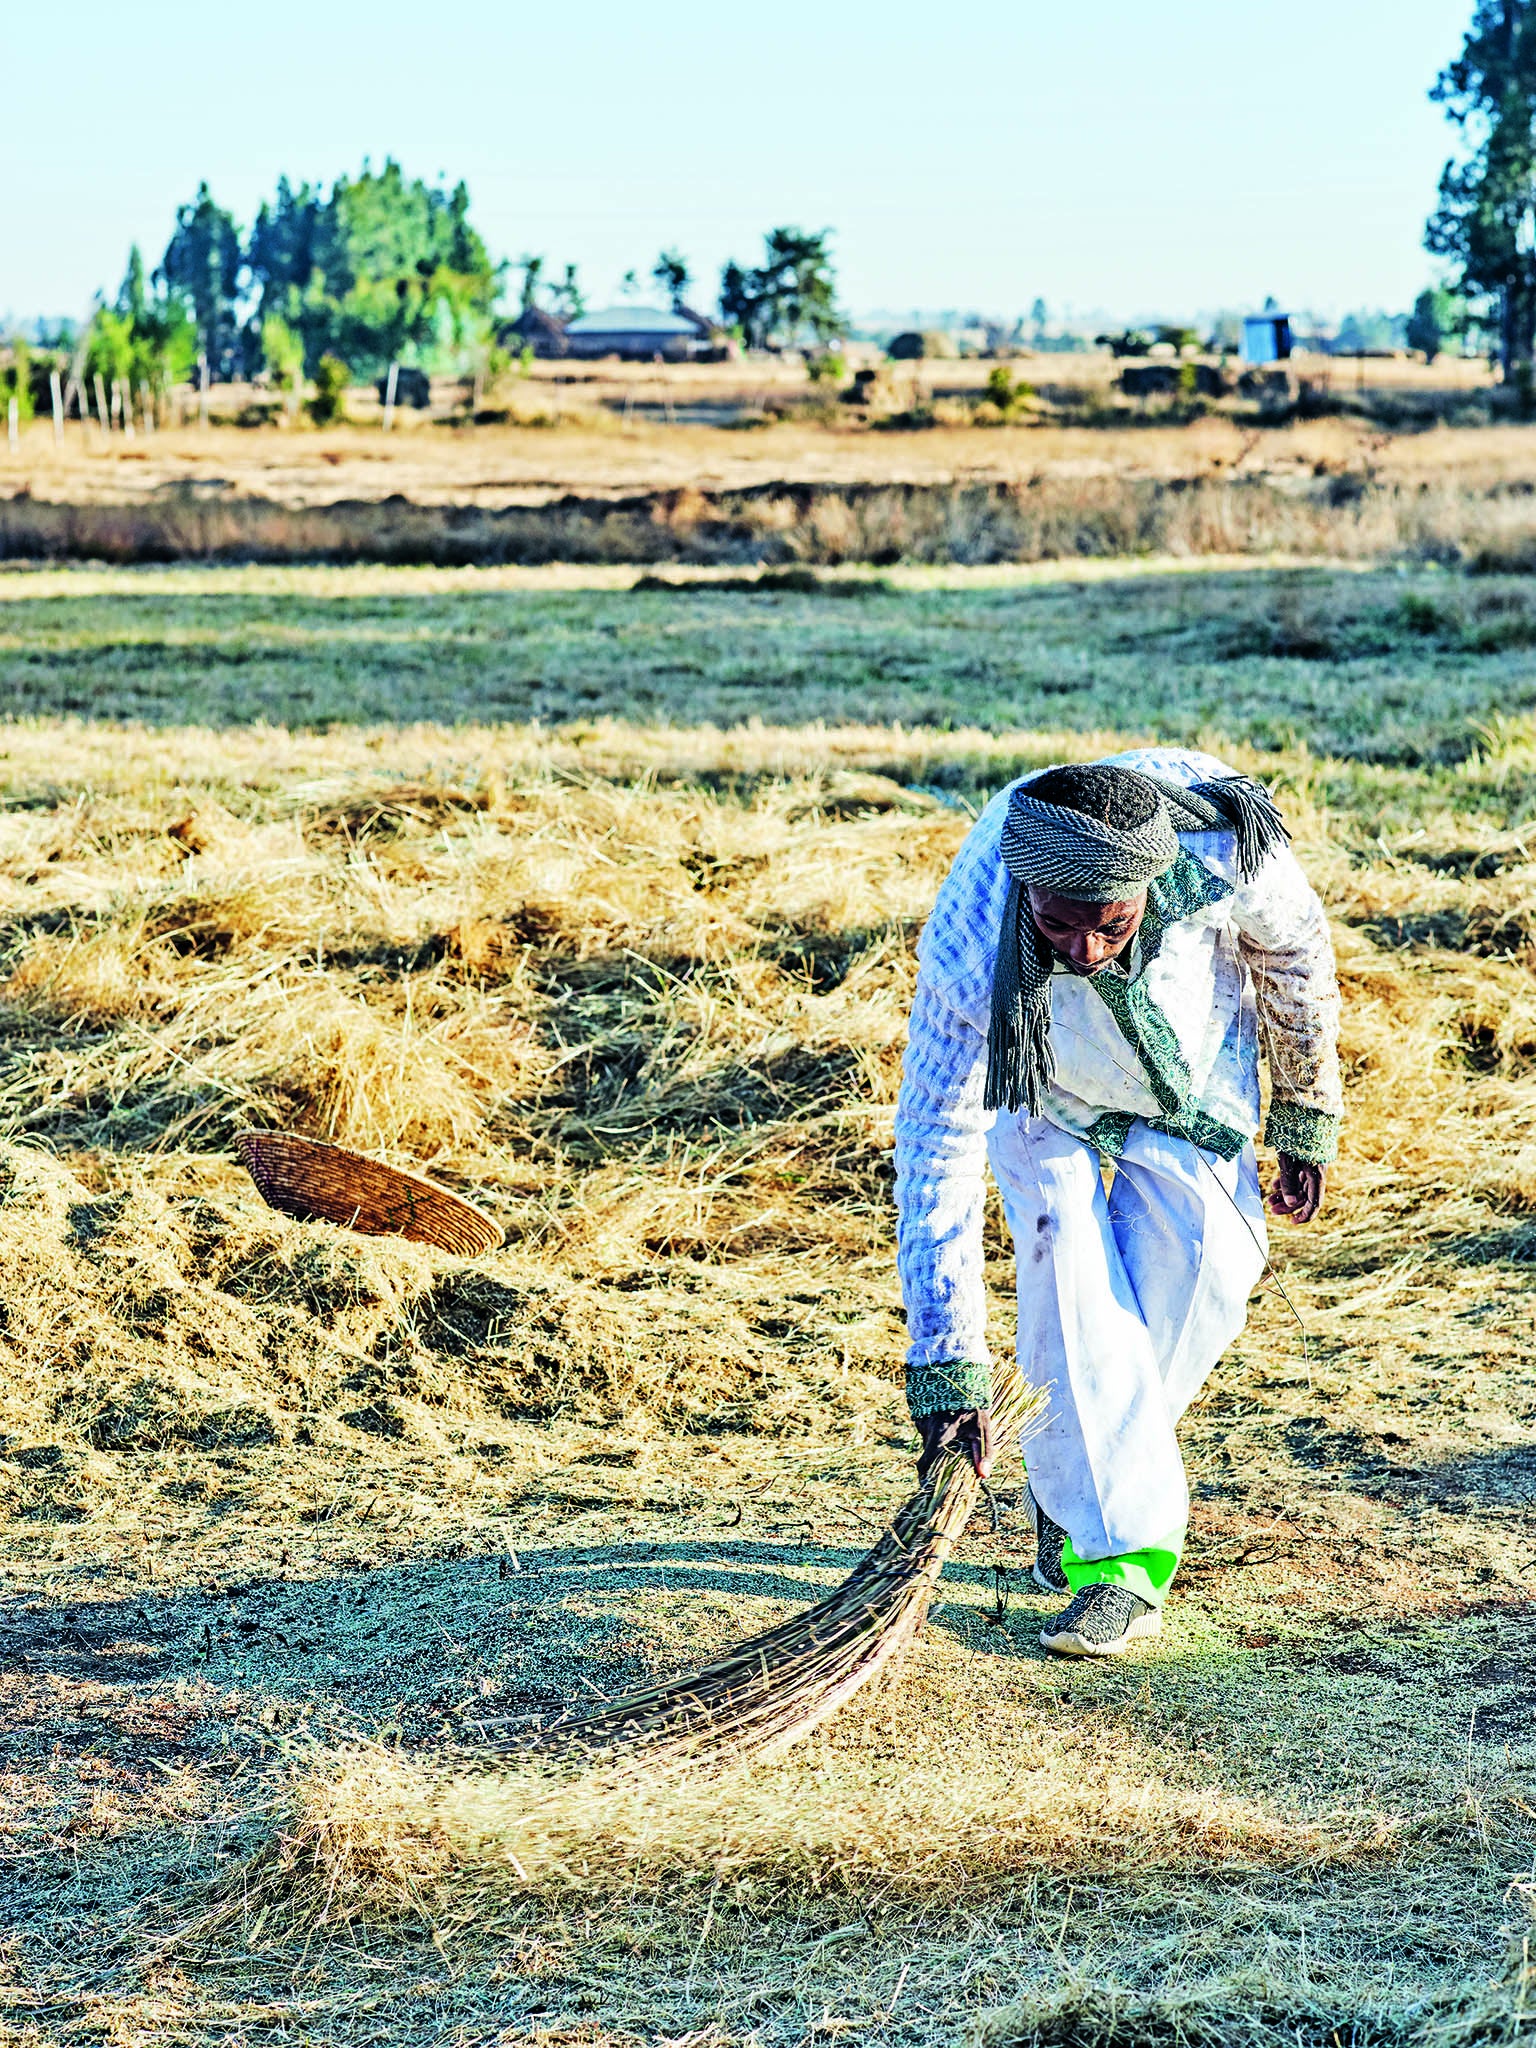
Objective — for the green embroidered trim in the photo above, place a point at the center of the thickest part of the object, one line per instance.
(1310, 1134)
(1110, 1131)
(1188, 886)
(1147, 1031)
(1201, 1130)
(948, 1387)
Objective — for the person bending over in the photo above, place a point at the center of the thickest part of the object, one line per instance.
(1112, 949)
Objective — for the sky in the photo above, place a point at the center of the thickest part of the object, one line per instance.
(1132, 158)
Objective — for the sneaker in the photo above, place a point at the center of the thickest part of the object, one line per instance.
(1046, 1571)
(1101, 1622)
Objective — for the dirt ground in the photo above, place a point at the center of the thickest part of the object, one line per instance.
(293, 1515)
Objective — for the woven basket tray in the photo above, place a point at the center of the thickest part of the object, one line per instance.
(304, 1178)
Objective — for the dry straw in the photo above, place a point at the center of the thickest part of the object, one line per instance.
(1249, 2009)
(772, 1690)
(304, 1178)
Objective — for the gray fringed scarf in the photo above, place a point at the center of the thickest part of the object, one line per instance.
(1049, 846)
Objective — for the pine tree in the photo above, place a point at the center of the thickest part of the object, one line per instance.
(791, 295)
(1485, 223)
(671, 272)
(203, 262)
(380, 269)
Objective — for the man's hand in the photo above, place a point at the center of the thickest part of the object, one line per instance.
(966, 1429)
(1298, 1190)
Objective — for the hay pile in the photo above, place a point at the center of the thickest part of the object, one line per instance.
(1039, 518)
(657, 1030)
(133, 1322)
(1251, 2010)
(369, 1835)
(626, 1020)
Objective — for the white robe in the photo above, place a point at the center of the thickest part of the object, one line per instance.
(1126, 1300)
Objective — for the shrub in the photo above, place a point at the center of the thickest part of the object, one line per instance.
(1003, 392)
(828, 368)
(329, 403)
(1419, 613)
(282, 355)
(16, 381)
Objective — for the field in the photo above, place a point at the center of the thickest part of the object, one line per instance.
(664, 483)
(600, 901)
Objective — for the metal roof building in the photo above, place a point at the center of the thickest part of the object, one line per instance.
(641, 333)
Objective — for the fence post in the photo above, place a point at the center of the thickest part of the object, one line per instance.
(57, 395)
(202, 391)
(391, 386)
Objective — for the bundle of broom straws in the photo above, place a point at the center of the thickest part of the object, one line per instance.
(768, 1693)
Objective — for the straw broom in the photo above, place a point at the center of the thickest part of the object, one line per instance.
(772, 1690)
(746, 1706)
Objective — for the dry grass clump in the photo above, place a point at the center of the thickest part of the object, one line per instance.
(638, 1022)
(369, 1836)
(1041, 517)
(1253, 2009)
(134, 1322)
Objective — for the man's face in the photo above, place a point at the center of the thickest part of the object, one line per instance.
(1084, 935)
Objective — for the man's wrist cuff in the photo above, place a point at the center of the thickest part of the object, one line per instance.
(1310, 1134)
(947, 1388)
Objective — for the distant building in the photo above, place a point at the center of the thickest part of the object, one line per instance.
(1266, 337)
(645, 334)
(533, 328)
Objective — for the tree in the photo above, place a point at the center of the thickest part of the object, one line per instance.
(203, 262)
(1438, 316)
(1039, 318)
(280, 255)
(736, 305)
(1485, 222)
(790, 295)
(532, 268)
(1134, 341)
(329, 403)
(566, 300)
(147, 339)
(380, 269)
(671, 272)
(1365, 332)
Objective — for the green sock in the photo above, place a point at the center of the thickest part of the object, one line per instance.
(1147, 1573)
